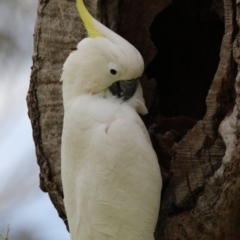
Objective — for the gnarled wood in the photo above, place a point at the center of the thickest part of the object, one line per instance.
(200, 164)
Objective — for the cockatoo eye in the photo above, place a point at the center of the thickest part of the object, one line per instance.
(113, 69)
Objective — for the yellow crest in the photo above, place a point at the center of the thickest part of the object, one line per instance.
(88, 20)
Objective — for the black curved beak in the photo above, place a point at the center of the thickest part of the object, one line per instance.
(124, 89)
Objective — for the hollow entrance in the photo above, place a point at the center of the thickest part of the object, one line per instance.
(188, 37)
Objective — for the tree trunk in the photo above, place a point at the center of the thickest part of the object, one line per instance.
(191, 85)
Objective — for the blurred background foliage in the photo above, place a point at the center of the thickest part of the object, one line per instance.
(22, 204)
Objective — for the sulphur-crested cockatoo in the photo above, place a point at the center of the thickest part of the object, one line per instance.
(110, 173)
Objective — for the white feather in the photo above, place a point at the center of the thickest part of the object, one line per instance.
(110, 173)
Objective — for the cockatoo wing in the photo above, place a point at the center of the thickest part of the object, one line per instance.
(132, 199)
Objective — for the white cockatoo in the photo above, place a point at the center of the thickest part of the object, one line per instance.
(110, 173)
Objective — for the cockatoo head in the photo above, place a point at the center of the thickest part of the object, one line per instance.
(102, 61)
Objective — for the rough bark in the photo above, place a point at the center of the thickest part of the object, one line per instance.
(198, 144)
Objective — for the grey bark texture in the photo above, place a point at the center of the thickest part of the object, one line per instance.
(201, 169)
